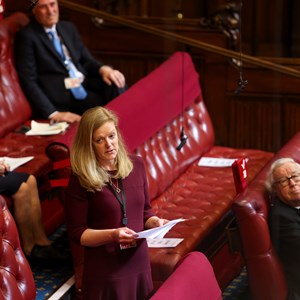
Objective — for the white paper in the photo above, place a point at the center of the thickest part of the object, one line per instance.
(15, 162)
(163, 243)
(158, 232)
(216, 162)
(46, 128)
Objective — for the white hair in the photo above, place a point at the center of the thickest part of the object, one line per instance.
(276, 164)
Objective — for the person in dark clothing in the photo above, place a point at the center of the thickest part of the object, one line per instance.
(59, 76)
(22, 188)
(284, 219)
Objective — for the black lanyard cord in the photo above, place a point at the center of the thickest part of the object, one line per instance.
(121, 199)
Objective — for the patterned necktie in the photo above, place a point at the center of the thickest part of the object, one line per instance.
(79, 92)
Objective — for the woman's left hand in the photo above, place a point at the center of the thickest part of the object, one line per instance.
(155, 222)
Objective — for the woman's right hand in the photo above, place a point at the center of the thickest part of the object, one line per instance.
(123, 235)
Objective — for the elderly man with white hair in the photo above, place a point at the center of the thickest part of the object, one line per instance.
(284, 219)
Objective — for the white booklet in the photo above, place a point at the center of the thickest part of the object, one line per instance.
(15, 162)
(46, 128)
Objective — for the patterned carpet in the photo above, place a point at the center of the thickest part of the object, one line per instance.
(238, 288)
(49, 280)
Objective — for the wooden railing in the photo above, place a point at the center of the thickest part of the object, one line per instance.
(264, 116)
(179, 38)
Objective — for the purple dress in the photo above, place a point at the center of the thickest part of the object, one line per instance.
(110, 273)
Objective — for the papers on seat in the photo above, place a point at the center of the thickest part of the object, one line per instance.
(216, 162)
(163, 243)
(15, 162)
(158, 232)
(46, 128)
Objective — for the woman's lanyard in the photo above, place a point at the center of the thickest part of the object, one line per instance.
(120, 196)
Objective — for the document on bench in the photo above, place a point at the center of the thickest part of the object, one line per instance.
(158, 232)
(46, 128)
(163, 243)
(216, 162)
(15, 162)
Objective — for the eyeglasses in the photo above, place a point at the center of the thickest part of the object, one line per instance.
(286, 181)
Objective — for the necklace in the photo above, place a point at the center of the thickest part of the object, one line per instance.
(115, 187)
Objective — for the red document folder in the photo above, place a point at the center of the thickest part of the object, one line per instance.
(240, 174)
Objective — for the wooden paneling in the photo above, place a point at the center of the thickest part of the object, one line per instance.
(291, 116)
(254, 122)
(267, 113)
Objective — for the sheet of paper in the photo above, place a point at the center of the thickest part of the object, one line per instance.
(163, 243)
(16, 162)
(158, 232)
(46, 128)
(216, 162)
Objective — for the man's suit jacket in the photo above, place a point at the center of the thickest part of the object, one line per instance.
(41, 70)
(284, 223)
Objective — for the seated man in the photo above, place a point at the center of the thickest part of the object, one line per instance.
(58, 74)
(22, 188)
(284, 219)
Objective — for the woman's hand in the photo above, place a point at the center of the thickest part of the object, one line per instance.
(123, 235)
(155, 222)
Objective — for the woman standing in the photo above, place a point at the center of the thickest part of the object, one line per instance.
(107, 202)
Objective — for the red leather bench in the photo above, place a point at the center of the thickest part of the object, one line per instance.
(265, 274)
(16, 279)
(15, 113)
(151, 116)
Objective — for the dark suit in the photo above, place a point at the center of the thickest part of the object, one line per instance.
(42, 72)
(284, 222)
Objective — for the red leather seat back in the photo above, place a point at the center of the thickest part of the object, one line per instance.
(170, 95)
(192, 279)
(14, 107)
(164, 163)
(265, 274)
(16, 279)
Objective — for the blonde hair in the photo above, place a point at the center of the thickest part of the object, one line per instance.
(84, 161)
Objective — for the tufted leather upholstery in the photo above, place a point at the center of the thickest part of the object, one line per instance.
(15, 110)
(181, 188)
(178, 186)
(16, 280)
(266, 277)
(11, 95)
(150, 121)
(15, 113)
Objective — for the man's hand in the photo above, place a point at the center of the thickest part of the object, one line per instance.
(65, 117)
(4, 167)
(109, 75)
